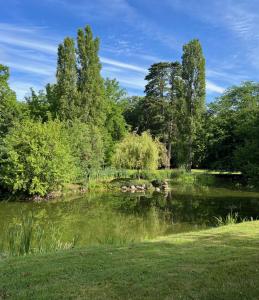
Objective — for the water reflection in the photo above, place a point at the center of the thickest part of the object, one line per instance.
(119, 218)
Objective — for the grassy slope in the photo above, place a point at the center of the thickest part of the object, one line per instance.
(221, 263)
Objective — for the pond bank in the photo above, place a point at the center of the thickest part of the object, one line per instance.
(128, 181)
(220, 263)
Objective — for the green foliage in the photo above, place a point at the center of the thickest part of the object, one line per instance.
(134, 113)
(10, 109)
(79, 92)
(90, 83)
(193, 74)
(160, 102)
(86, 143)
(66, 87)
(38, 105)
(115, 125)
(137, 152)
(36, 158)
(232, 131)
(115, 122)
(152, 174)
(174, 106)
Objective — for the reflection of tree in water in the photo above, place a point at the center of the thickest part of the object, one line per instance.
(124, 217)
(193, 205)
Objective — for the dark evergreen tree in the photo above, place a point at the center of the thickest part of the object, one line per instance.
(160, 102)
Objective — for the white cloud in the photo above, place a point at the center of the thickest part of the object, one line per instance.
(214, 88)
(122, 65)
(32, 68)
(27, 43)
(24, 49)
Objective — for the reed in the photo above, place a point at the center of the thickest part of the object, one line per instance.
(26, 236)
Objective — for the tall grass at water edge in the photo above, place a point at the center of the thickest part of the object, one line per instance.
(25, 236)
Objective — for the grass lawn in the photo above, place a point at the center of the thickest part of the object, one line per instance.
(220, 263)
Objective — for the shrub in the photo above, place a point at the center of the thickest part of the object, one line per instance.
(36, 158)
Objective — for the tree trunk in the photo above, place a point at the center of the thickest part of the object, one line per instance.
(189, 156)
(169, 149)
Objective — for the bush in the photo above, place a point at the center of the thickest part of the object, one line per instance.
(36, 158)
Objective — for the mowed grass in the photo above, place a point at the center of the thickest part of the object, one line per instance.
(219, 263)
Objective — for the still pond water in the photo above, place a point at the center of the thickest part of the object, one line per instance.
(119, 218)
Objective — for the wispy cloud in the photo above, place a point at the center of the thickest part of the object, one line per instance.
(27, 43)
(96, 10)
(29, 51)
(39, 69)
(214, 88)
(122, 65)
(22, 51)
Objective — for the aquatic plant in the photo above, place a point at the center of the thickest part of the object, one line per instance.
(231, 218)
(25, 236)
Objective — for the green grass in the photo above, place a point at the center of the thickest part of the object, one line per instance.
(219, 263)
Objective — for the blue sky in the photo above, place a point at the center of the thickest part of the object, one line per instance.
(134, 34)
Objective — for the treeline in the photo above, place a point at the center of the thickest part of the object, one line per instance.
(83, 122)
(225, 136)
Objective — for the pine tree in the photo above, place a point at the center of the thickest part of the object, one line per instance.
(66, 87)
(158, 80)
(160, 101)
(173, 116)
(193, 64)
(90, 82)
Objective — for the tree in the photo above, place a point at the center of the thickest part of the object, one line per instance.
(231, 125)
(193, 75)
(115, 122)
(138, 152)
(90, 83)
(157, 96)
(135, 114)
(10, 109)
(87, 146)
(160, 101)
(158, 80)
(38, 105)
(52, 99)
(115, 125)
(36, 158)
(66, 87)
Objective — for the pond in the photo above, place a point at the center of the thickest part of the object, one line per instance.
(120, 218)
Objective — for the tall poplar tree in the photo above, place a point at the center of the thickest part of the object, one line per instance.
(90, 83)
(193, 64)
(66, 87)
